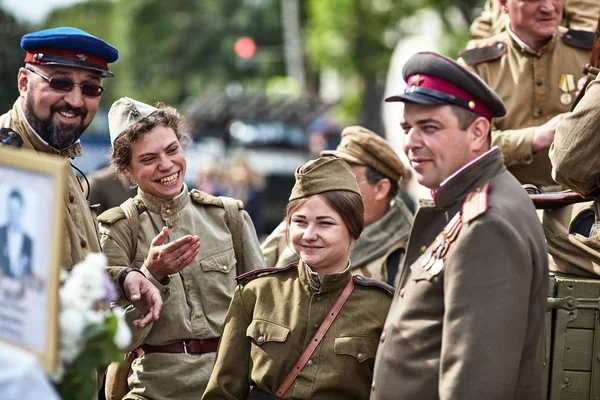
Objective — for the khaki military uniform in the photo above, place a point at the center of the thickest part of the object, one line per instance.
(574, 156)
(80, 227)
(273, 317)
(370, 252)
(578, 14)
(195, 300)
(467, 318)
(529, 84)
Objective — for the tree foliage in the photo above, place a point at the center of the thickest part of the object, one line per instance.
(11, 58)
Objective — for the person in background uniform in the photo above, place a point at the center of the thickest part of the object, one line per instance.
(183, 245)
(534, 67)
(60, 88)
(378, 252)
(574, 240)
(109, 189)
(466, 321)
(16, 246)
(275, 312)
(577, 14)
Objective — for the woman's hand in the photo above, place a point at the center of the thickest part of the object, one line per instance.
(170, 258)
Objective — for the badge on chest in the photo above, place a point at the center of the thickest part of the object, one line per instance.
(434, 258)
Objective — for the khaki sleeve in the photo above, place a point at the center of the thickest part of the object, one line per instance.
(582, 14)
(253, 257)
(270, 247)
(574, 152)
(487, 288)
(516, 145)
(230, 376)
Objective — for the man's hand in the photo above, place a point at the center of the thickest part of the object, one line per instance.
(144, 296)
(167, 259)
(543, 136)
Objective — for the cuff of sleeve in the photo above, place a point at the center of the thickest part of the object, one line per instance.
(516, 146)
(163, 285)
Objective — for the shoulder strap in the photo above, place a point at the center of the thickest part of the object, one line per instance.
(479, 55)
(580, 39)
(232, 218)
(315, 340)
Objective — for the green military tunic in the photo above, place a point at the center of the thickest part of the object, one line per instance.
(80, 226)
(369, 254)
(574, 156)
(535, 87)
(272, 319)
(577, 14)
(195, 300)
(467, 318)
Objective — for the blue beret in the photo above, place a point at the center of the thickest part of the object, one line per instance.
(69, 46)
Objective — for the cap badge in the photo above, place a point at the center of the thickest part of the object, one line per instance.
(471, 104)
(416, 80)
(81, 57)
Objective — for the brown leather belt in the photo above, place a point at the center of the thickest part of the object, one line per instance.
(188, 346)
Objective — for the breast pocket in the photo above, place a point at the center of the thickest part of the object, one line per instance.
(360, 348)
(268, 346)
(217, 281)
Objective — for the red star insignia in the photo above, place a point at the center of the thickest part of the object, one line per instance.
(81, 57)
(416, 80)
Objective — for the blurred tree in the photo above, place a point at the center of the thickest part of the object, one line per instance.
(11, 58)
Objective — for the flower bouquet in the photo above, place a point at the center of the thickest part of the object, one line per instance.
(91, 333)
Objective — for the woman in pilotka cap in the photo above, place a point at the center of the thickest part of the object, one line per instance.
(277, 314)
(187, 243)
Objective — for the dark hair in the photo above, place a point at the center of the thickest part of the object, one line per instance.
(348, 205)
(466, 118)
(17, 195)
(373, 176)
(165, 116)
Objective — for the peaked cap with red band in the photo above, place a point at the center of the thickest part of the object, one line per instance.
(435, 79)
(71, 47)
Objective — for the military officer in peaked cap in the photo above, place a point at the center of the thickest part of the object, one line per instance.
(378, 252)
(59, 91)
(467, 317)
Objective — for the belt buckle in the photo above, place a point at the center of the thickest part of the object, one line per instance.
(185, 348)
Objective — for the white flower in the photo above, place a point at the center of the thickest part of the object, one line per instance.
(123, 335)
(72, 324)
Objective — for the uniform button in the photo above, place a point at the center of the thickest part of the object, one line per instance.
(260, 339)
(71, 197)
(382, 337)
(83, 243)
(171, 225)
(165, 290)
(422, 249)
(224, 267)
(316, 326)
(319, 298)
(518, 158)
(168, 211)
(360, 356)
(539, 82)
(196, 195)
(309, 363)
(540, 111)
(402, 291)
(373, 387)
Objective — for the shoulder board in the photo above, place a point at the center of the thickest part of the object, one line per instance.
(111, 215)
(580, 39)
(139, 204)
(483, 54)
(250, 275)
(199, 197)
(361, 280)
(476, 203)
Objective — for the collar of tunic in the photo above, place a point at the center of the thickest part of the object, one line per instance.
(329, 283)
(165, 208)
(524, 47)
(474, 174)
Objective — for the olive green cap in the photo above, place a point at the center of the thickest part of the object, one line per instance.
(362, 146)
(124, 113)
(324, 174)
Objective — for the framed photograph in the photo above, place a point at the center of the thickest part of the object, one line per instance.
(32, 189)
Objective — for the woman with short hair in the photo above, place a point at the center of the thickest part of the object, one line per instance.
(276, 313)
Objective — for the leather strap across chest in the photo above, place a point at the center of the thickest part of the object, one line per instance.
(315, 340)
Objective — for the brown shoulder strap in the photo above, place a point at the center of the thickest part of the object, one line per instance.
(133, 217)
(232, 218)
(315, 340)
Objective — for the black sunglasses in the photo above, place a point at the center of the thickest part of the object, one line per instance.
(66, 85)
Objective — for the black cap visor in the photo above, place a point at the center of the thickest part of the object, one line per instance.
(421, 95)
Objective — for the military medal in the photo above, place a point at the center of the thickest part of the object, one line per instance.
(566, 85)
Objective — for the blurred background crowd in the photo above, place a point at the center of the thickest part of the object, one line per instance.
(265, 84)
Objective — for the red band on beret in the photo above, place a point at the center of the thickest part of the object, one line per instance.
(74, 55)
(444, 86)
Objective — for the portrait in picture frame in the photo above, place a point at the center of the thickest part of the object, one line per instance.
(32, 187)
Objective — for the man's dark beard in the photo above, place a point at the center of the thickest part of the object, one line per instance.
(55, 136)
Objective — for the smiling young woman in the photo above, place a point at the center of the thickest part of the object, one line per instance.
(182, 242)
(309, 308)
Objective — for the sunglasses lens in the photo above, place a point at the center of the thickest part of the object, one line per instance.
(63, 85)
(87, 89)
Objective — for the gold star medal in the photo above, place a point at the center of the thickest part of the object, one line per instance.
(566, 85)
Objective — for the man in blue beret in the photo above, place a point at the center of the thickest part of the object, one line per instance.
(59, 92)
(467, 318)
